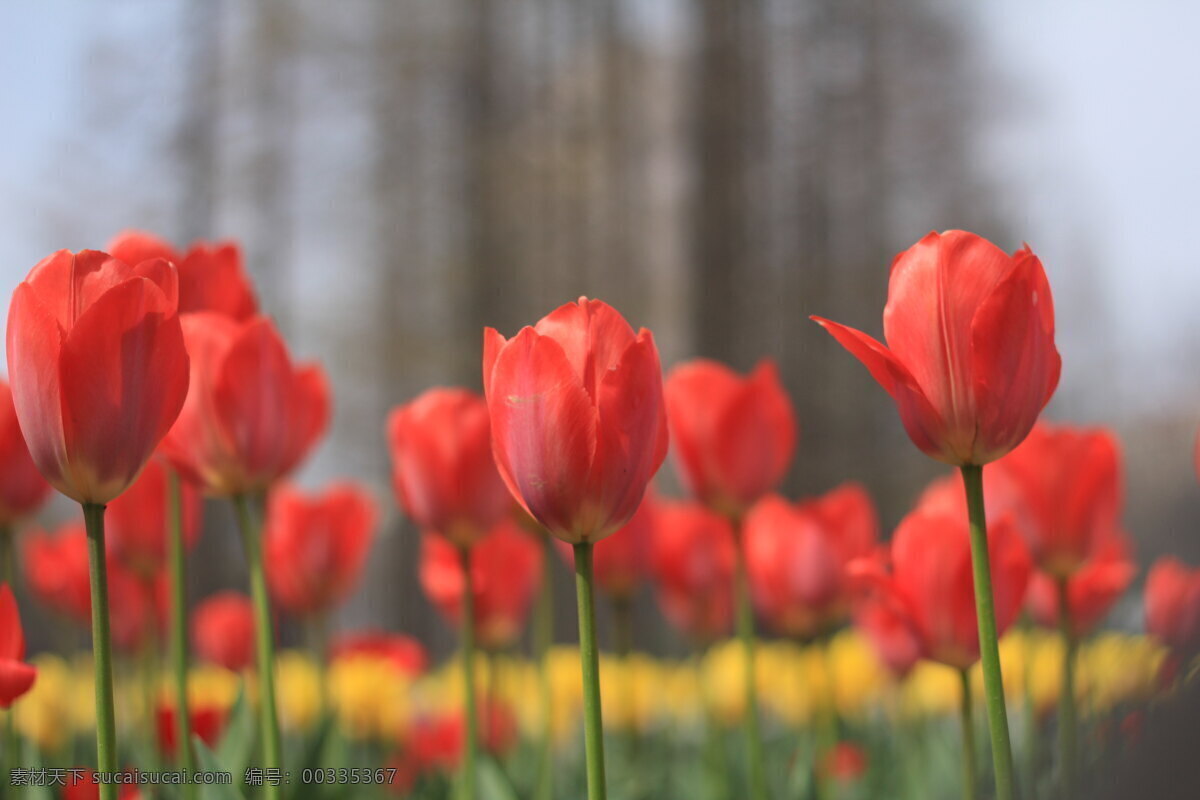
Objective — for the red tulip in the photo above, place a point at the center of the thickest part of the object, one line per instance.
(98, 368)
(970, 359)
(436, 742)
(316, 545)
(931, 584)
(845, 762)
(1173, 605)
(22, 487)
(1064, 484)
(797, 557)
(578, 423)
(80, 784)
(1091, 590)
(734, 437)
(891, 634)
(207, 722)
(506, 569)
(16, 677)
(56, 567)
(621, 561)
(211, 275)
(693, 563)
(136, 522)
(405, 652)
(251, 416)
(223, 630)
(442, 464)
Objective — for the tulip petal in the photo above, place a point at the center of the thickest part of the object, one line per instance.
(134, 247)
(34, 342)
(493, 343)
(124, 377)
(308, 412)
(695, 394)
(1014, 361)
(16, 678)
(631, 434)
(593, 335)
(757, 435)
(212, 278)
(543, 430)
(922, 422)
(12, 638)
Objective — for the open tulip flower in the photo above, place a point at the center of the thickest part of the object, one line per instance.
(316, 545)
(16, 677)
(442, 466)
(211, 274)
(733, 436)
(797, 556)
(578, 430)
(1173, 605)
(506, 568)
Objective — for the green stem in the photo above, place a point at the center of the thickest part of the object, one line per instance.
(989, 648)
(828, 724)
(745, 631)
(970, 778)
(264, 640)
(106, 726)
(593, 725)
(178, 632)
(714, 740)
(543, 637)
(468, 656)
(1067, 720)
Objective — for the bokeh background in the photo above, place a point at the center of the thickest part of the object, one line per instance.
(403, 173)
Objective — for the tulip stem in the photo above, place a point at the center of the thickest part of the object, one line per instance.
(593, 725)
(106, 726)
(178, 634)
(468, 665)
(543, 638)
(970, 778)
(989, 648)
(745, 631)
(1067, 720)
(264, 631)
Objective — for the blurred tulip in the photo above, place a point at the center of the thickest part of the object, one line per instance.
(693, 564)
(1173, 605)
(98, 368)
(22, 488)
(405, 652)
(733, 436)
(1091, 589)
(206, 723)
(970, 359)
(80, 784)
(932, 587)
(211, 274)
(622, 561)
(895, 641)
(1064, 485)
(506, 569)
(845, 762)
(251, 415)
(316, 545)
(136, 522)
(16, 677)
(442, 465)
(797, 557)
(578, 421)
(223, 631)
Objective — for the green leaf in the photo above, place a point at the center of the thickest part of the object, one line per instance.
(236, 747)
(207, 761)
(493, 783)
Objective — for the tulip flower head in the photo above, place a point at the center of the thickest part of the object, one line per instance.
(733, 436)
(207, 722)
(442, 465)
(22, 487)
(506, 570)
(1091, 590)
(931, 584)
(252, 415)
(98, 368)
(137, 521)
(211, 274)
(406, 653)
(316, 545)
(223, 631)
(578, 421)
(694, 554)
(1173, 605)
(797, 557)
(970, 359)
(16, 677)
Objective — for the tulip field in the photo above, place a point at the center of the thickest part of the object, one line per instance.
(966, 652)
